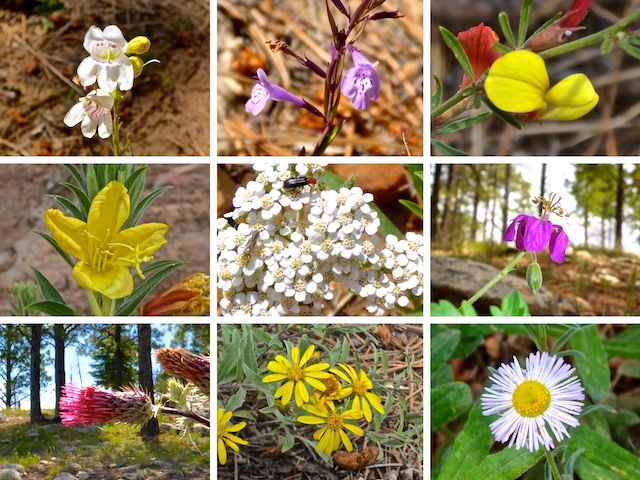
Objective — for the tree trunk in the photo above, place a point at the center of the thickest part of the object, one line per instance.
(8, 384)
(36, 341)
(118, 361)
(476, 201)
(60, 373)
(446, 213)
(543, 180)
(435, 200)
(145, 372)
(585, 224)
(619, 208)
(602, 232)
(505, 202)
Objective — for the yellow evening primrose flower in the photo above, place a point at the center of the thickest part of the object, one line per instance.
(358, 388)
(225, 435)
(333, 427)
(105, 253)
(518, 83)
(297, 374)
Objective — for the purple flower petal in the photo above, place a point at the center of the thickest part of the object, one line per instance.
(258, 100)
(510, 232)
(361, 82)
(265, 90)
(537, 234)
(558, 244)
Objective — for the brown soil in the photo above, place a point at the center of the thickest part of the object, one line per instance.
(185, 208)
(166, 113)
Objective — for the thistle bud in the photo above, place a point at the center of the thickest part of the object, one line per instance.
(187, 365)
(188, 297)
(138, 64)
(138, 46)
(534, 277)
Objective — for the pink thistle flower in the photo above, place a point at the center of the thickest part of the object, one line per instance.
(90, 405)
(187, 365)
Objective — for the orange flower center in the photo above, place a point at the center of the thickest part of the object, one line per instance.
(334, 422)
(295, 374)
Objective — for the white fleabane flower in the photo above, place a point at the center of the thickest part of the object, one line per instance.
(543, 395)
(94, 111)
(107, 62)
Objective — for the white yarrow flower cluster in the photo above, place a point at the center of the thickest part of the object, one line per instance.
(543, 396)
(281, 250)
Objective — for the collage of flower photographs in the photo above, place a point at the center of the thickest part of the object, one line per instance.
(210, 104)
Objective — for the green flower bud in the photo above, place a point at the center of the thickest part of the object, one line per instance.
(138, 46)
(137, 66)
(534, 276)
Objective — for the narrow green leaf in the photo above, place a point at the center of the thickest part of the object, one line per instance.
(603, 453)
(505, 116)
(594, 368)
(134, 184)
(448, 402)
(455, 46)
(52, 308)
(417, 177)
(236, 400)
(589, 471)
(76, 175)
(139, 209)
(58, 248)
(436, 98)
(630, 49)
(571, 353)
(507, 464)
(505, 25)
(503, 49)
(457, 125)
(523, 26)
(564, 339)
(414, 207)
(288, 442)
(446, 149)
(91, 180)
(606, 46)
(597, 408)
(547, 24)
(442, 346)
(470, 447)
(84, 201)
(49, 292)
(71, 208)
(129, 305)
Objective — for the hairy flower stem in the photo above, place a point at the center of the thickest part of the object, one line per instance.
(116, 128)
(552, 463)
(453, 101)
(503, 273)
(592, 39)
(193, 416)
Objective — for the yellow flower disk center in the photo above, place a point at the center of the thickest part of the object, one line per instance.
(295, 374)
(222, 430)
(359, 387)
(333, 386)
(531, 398)
(334, 422)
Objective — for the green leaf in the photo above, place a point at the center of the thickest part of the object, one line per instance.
(503, 49)
(387, 227)
(597, 408)
(524, 21)
(512, 305)
(564, 339)
(546, 24)
(505, 25)
(446, 149)
(508, 464)
(442, 375)
(255, 379)
(129, 305)
(52, 308)
(630, 49)
(571, 353)
(414, 207)
(455, 46)
(236, 400)
(76, 175)
(288, 442)
(467, 309)
(84, 201)
(594, 368)
(461, 124)
(442, 346)
(448, 402)
(142, 206)
(68, 205)
(504, 116)
(606, 46)
(49, 292)
(603, 453)
(470, 447)
(134, 184)
(58, 248)
(630, 368)
(436, 98)
(444, 308)
(617, 347)
(417, 177)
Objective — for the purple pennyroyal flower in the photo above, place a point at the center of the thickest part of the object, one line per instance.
(534, 234)
(265, 90)
(361, 82)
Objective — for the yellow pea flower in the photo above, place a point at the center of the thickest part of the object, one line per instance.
(518, 83)
(105, 253)
(226, 435)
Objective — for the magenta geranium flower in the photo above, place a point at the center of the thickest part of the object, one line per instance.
(265, 90)
(534, 234)
(361, 82)
(88, 405)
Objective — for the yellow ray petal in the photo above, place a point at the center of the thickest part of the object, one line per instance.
(222, 452)
(302, 395)
(307, 355)
(517, 82)
(237, 427)
(309, 420)
(375, 401)
(277, 367)
(70, 233)
(109, 210)
(113, 283)
(285, 391)
(354, 429)
(274, 377)
(145, 240)
(318, 385)
(571, 98)
(236, 440)
(345, 439)
(225, 417)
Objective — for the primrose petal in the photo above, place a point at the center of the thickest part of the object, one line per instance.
(517, 82)
(571, 98)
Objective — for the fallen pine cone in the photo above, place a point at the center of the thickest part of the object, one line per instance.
(355, 460)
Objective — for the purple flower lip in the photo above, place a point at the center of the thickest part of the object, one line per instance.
(265, 90)
(361, 83)
(534, 234)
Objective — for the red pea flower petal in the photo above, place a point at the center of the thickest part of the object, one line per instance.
(576, 14)
(477, 43)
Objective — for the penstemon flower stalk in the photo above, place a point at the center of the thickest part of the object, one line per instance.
(360, 83)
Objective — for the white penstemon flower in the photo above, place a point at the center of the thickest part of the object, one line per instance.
(310, 240)
(94, 112)
(531, 402)
(107, 61)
